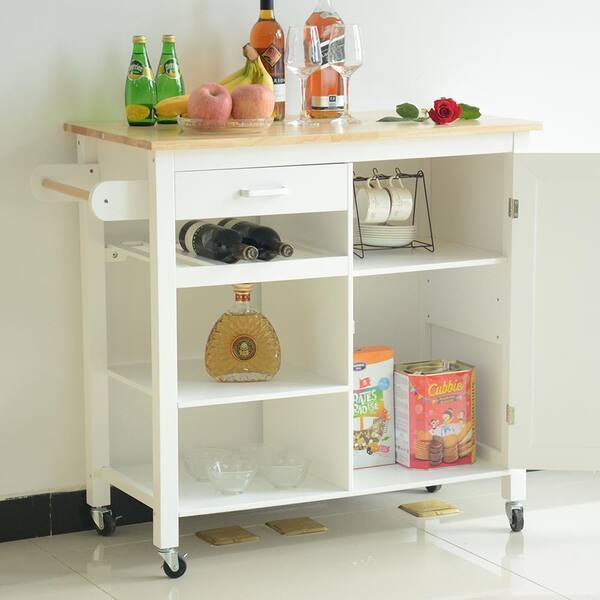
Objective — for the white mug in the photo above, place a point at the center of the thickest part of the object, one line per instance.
(402, 201)
(373, 202)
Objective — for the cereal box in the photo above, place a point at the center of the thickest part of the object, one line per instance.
(373, 406)
(434, 404)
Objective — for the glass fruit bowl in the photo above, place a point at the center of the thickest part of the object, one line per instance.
(232, 475)
(284, 470)
(198, 460)
(232, 125)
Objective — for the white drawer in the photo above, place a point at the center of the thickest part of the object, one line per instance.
(264, 191)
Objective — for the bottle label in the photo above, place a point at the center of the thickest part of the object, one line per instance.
(332, 50)
(229, 223)
(328, 102)
(137, 70)
(190, 234)
(271, 55)
(170, 68)
(243, 347)
(279, 91)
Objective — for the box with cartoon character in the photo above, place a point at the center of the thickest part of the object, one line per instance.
(434, 406)
(373, 407)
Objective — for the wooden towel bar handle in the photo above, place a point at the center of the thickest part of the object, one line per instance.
(63, 188)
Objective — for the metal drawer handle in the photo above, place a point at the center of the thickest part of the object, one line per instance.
(265, 192)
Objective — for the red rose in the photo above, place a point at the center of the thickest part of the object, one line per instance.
(445, 111)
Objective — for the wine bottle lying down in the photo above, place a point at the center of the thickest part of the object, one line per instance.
(265, 239)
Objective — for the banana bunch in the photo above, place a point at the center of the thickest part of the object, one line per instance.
(171, 108)
(252, 72)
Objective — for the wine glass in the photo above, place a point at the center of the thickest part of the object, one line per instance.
(345, 56)
(303, 57)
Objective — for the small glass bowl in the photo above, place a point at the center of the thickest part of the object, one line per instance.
(285, 471)
(198, 460)
(232, 475)
(232, 125)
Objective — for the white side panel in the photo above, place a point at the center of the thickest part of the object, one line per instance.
(555, 313)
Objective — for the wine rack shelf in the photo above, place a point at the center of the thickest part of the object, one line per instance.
(194, 272)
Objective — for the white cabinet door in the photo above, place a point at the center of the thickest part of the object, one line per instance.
(554, 380)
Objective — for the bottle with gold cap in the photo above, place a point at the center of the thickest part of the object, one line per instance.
(169, 82)
(140, 90)
(243, 345)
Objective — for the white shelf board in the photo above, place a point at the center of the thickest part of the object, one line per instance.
(393, 478)
(201, 498)
(447, 255)
(196, 388)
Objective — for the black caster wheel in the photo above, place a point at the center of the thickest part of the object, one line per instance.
(109, 525)
(175, 574)
(432, 489)
(517, 520)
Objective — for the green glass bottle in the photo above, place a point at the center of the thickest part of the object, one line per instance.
(140, 90)
(169, 82)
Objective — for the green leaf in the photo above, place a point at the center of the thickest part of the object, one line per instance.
(469, 113)
(408, 111)
(390, 120)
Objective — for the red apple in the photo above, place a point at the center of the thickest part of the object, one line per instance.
(252, 102)
(210, 102)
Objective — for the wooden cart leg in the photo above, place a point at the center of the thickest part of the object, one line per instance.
(93, 306)
(164, 353)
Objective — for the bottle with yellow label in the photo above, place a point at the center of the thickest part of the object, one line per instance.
(140, 89)
(169, 82)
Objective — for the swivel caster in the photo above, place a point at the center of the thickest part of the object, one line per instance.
(432, 489)
(174, 565)
(104, 522)
(514, 512)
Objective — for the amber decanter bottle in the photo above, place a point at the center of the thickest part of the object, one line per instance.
(325, 88)
(242, 346)
(268, 39)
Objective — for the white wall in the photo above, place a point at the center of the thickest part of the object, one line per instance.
(66, 60)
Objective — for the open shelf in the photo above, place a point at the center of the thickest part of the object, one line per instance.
(447, 255)
(392, 478)
(196, 388)
(194, 271)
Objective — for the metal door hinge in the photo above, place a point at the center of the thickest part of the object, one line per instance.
(513, 208)
(510, 414)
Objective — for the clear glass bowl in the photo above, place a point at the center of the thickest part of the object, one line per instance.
(232, 125)
(232, 475)
(198, 460)
(284, 470)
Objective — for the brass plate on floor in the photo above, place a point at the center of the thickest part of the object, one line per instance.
(225, 536)
(297, 526)
(430, 508)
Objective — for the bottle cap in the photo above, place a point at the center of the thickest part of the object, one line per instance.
(139, 39)
(168, 38)
(243, 288)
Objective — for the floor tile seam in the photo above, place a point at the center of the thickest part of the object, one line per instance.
(492, 562)
(74, 571)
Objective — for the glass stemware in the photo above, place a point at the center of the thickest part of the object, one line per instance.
(345, 56)
(303, 57)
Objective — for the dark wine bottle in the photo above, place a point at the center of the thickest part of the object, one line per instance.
(211, 241)
(265, 239)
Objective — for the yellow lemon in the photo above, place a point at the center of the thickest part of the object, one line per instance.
(137, 112)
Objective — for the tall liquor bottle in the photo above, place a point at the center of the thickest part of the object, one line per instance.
(325, 88)
(268, 39)
(169, 81)
(140, 90)
(242, 346)
(264, 239)
(217, 243)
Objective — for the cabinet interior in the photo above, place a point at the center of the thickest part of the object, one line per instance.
(453, 313)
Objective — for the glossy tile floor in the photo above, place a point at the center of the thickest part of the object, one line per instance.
(372, 550)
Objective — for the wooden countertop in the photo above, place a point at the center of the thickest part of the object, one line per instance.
(173, 138)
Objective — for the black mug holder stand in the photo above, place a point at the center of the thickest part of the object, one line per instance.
(360, 248)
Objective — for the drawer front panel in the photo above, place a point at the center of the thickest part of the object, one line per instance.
(255, 192)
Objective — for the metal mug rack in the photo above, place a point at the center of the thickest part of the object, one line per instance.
(360, 248)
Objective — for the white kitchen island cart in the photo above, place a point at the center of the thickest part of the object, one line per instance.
(148, 307)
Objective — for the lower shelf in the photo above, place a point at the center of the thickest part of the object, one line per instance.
(201, 498)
